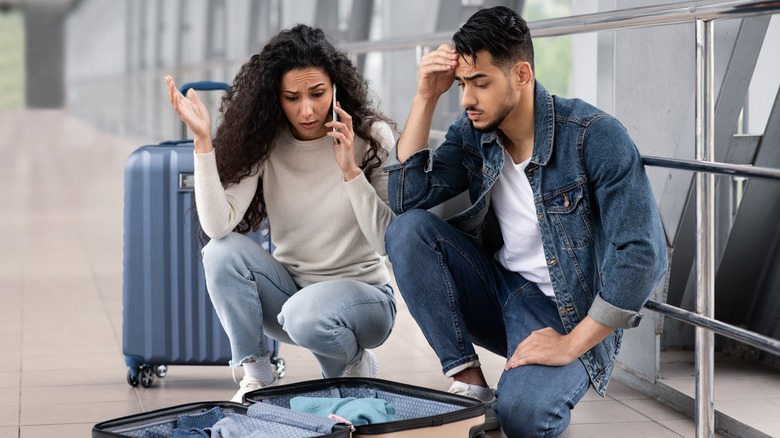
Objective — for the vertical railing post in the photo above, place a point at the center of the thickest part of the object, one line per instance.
(705, 228)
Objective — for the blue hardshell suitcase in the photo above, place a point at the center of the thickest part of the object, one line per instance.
(168, 318)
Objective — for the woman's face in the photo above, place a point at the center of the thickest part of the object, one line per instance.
(305, 96)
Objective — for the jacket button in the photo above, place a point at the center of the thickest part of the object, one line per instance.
(552, 262)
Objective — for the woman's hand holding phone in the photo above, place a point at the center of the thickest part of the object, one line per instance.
(343, 140)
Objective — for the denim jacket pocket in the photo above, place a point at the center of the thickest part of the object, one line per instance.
(568, 210)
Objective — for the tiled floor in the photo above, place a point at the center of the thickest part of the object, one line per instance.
(61, 363)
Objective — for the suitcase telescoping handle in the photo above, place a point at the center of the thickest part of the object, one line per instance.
(201, 85)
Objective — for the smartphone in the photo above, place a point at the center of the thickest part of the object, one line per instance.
(335, 117)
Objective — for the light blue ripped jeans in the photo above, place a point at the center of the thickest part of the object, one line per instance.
(254, 296)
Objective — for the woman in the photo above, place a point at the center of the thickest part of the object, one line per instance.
(277, 153)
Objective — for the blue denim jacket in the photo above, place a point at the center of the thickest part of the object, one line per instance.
(602, 235)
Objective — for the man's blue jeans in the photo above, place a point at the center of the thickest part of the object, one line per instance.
(254, 295)
(459, 295)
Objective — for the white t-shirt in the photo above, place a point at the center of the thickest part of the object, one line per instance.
(513, 202)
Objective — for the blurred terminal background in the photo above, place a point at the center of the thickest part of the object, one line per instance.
(88, 55)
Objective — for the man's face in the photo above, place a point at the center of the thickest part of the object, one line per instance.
(486, 92)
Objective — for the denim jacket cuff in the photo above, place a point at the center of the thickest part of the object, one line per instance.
(421, 157)
(611, 316)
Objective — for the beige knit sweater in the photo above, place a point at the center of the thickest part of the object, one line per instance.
(322, 227)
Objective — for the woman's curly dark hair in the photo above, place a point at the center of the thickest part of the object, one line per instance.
(251, 114)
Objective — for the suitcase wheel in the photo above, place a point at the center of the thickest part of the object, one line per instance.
(132, 377)
(281, 368)
(147, 376)
(161, 371)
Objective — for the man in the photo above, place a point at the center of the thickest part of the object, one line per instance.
(562, 243)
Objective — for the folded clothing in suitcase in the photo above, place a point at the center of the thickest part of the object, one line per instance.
(221, 419)
(420, 412)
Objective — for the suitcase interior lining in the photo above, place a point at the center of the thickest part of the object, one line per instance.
(406, 407)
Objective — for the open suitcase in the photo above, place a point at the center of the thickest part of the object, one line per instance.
(418, 412)
(263, 420)
(167, 314)
(421, 412)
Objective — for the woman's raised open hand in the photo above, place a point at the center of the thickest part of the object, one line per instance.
(193, 113)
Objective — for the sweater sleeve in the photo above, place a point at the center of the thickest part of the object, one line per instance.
(369, 199)
(220, 209)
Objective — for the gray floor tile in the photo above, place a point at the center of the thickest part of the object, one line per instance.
(10, 362)
(684, 428)
(9, 431)
(621, 391)
(75, 413)
(644, 429)
(768, 426)
(9, 380)
(33, 397)
(751, 411)
(60, 430)
(654, 410)
(606, 411)
(9, 412)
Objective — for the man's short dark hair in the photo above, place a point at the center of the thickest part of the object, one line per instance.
(500, 31)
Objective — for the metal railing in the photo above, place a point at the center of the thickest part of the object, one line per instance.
(702, 13)
(657, 15)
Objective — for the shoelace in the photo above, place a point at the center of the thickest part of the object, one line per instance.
(352, 368)
(462, 390)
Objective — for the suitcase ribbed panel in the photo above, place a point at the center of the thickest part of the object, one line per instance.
(168, 317)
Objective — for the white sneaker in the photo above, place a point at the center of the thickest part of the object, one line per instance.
(367, 366)
(491, 421)
(249, 384)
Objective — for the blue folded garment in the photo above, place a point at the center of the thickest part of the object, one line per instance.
(358, 411)
(197, 425)
(282, 416)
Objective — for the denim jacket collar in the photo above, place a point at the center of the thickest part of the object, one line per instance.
(544, 127)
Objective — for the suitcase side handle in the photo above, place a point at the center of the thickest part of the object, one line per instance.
(202, 85)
